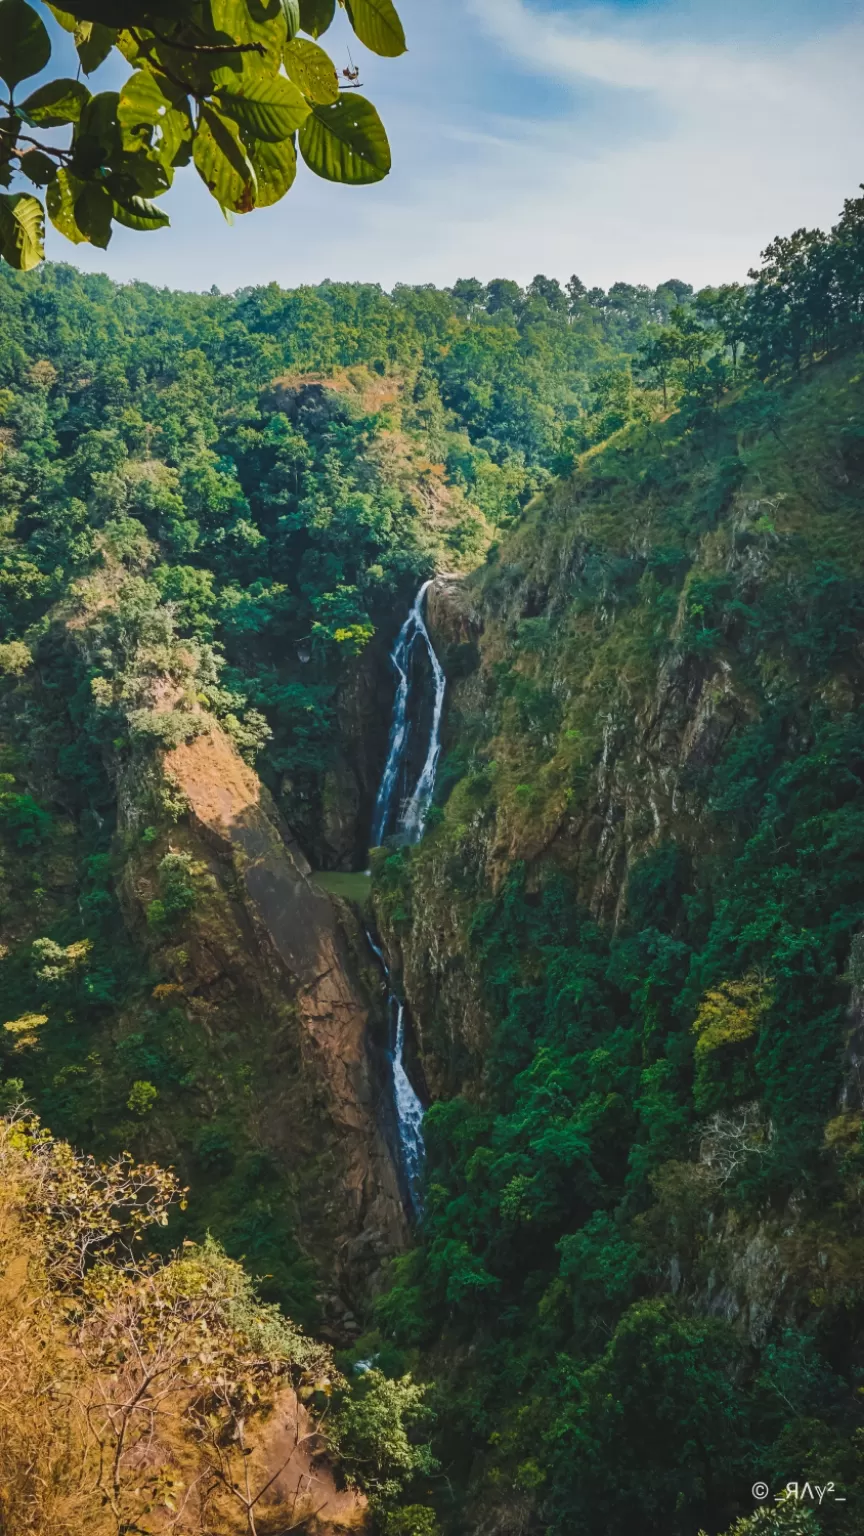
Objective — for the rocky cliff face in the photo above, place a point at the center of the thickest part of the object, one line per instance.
(629, 943)
(576, 741)
(362, 706)
(267, 954)
(601, 669)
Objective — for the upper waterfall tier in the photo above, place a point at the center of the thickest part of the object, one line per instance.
(407, 815)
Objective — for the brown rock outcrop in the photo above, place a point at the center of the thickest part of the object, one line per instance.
(269, 950)
(452, 615)
(303, 1491)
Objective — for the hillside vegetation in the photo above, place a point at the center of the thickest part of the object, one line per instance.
(629, 941)
(215, 509)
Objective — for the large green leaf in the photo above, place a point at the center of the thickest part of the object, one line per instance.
(94, 210)
(65, 18)
(346, 142)
(291, 12)
(222, 162)
(139, 174)
(378, 26)
(56, 103)
(312, 71)
(235, 19)
(268, 10)
(175, 140)
(275, 168)
(142, 108)
(154, 114)
(10, 130)
(129, 13)
(94, 43)
(97, 140)
(22, 230)
(316, 16)
(140, 213)
(60, 199)
(25, 46)
(268, 107)
(38, 167)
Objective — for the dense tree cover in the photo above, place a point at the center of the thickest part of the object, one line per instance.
(638, 1276)
(805, 299)
(238, 494)
(276, 524)
(241, 494)
(230, 86)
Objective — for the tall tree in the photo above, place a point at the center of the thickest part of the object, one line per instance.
(726, 308)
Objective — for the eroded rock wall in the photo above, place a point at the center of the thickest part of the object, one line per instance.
(267, 952)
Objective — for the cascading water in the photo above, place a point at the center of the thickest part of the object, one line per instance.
(411, 814)
(407, 818)
(409, 1109)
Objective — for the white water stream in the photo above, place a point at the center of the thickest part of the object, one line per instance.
(409, 821)
(408, 1107)
(413, 809)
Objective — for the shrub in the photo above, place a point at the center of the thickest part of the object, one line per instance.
(177, 891)
(379, 1434)
(142, 1097)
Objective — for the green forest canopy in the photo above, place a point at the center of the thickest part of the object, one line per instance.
(229, 462)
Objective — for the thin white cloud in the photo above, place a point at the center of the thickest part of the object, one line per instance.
(579, 49)
(736, 147)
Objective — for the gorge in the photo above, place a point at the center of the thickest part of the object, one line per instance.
(458, 590)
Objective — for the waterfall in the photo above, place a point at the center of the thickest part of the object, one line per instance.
(411, 815)
(409, 1110)
(408, 1107)
(409, 820)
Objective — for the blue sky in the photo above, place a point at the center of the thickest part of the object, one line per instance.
(637, 140)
